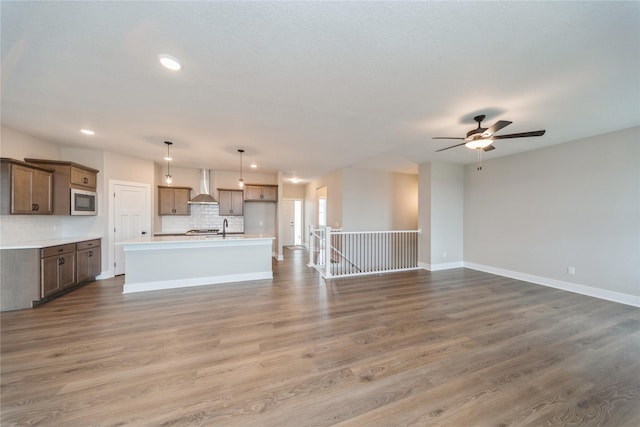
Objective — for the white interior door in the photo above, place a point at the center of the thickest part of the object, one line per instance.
(288, 221)
(131, 217)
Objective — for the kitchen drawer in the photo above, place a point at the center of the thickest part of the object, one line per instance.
(88, 244)
(57, 250)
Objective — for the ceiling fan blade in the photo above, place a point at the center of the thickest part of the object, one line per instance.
(453, 146)
(446, 137)
(520, 135)
(489, 148)
(496, 127)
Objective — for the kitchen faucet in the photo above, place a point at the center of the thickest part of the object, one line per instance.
(225, 224)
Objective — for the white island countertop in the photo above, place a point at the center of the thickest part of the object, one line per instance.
(165, 241)
(170, 239)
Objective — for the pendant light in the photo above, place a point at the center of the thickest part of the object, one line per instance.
(168, 178)
(241, 181)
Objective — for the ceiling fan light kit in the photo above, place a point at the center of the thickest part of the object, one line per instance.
(479, 143)
(481, 139)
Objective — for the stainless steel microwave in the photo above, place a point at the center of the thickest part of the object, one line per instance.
(83, 202)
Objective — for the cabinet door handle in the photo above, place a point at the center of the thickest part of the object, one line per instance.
(85, 180)
(37, 207)
(60, 261)
(34, 207)
(90, 253)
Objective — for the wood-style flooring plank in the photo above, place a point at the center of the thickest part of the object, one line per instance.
(449, 348)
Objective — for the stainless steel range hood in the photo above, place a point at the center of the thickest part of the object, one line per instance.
(204, 198)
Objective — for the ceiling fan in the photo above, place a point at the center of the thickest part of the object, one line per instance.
(482, 138)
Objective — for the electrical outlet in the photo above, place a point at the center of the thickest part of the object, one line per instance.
(571, 271)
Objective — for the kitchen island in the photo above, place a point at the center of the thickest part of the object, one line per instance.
(168, 262)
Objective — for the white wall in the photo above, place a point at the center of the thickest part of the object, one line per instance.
(441, 197)
(405, 201)
(278, 249)
(375, 200)
(310, 210)
(447, 196)
(294, 191)
(182, 177)
(574, 204)
(365, 200)
(424, 214)
(17, 145)
(227, 179)
(334, 183)
(260, 218)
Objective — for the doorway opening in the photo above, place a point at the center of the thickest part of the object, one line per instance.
(322, 207)
(293, 220)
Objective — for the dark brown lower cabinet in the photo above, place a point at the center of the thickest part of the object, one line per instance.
(57, 268)
(88, 260)
(32, 276)
(64, 266)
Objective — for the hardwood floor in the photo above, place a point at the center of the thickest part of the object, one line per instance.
(449, 348)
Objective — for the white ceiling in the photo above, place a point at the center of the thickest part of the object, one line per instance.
(310, 87)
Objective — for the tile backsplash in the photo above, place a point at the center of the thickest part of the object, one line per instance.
(202, 216)
(29, 228)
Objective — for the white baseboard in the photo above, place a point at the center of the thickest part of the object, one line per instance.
(559, 284)
(196, 281)
(278, 257)
(443, 266)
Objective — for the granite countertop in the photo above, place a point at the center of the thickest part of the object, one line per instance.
(44, 243)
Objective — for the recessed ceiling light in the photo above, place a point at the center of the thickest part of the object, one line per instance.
(253, 165)
(295, 180)
(169, 62)
(87, 131)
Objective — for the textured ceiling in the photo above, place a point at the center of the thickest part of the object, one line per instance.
(309, 87)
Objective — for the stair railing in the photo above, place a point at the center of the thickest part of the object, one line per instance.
(338, 253)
